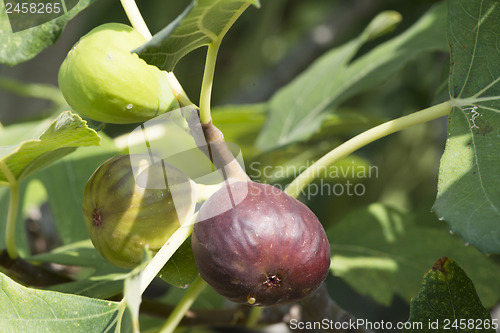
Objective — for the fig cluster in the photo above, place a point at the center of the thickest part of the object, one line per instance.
(266, 249)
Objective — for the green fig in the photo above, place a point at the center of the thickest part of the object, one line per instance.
(129, 206)
(103, 80)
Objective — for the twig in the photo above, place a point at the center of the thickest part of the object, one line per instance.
(194, 317)
(29, 274)
(320, 306)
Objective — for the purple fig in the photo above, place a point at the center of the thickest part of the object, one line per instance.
(268, 249)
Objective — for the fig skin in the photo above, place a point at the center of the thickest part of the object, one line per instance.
(269, 249)
(124, 218)
(103, 80)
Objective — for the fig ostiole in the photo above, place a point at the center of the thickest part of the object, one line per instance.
(126, 214)
(263, 247)
(103, 80)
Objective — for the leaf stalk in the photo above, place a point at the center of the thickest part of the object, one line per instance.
(208, 75)
(206, 85)
(135, 18)
(295, 188)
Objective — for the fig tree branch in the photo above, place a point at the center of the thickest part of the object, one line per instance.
(206, 317)
(319, 306)
(29, 274)
(216, 149)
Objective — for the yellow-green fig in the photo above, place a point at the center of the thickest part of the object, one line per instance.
(128, 205)
(103, 80)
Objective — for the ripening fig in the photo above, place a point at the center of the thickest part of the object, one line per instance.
(125, 214)
(103, 80)
(268, 249)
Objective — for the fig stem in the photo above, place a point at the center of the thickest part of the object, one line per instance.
(295, 188)
(185, 303)
(208, 77)
(166, 252)
(10, 232)
(220, 154)
(135, 18)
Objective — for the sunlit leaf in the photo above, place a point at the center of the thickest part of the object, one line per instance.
(203, 22)
(60, 138)
(469, 187)
(31, 310)
(447, 301)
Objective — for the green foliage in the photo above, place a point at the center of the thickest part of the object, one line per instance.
(60, 138)
(447, 300)
(180, 270)
(391, 251)
(100, 280)
(21, 46)
(241, 125)
(33, 90)
(203, 22)
(37, 310)
(335, 77)
(469, 188)
(378, 250)
(72, 173)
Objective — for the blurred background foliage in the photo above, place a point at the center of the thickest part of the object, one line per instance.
(265, 49)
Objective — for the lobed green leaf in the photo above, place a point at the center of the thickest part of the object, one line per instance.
(60, 138)
(21, 46)
(468, 195)
(203, 22)
(30, 310)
